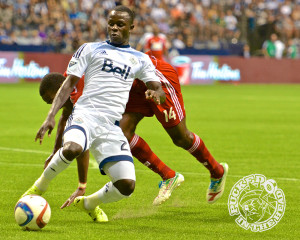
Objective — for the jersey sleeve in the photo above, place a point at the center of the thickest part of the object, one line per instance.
(79, 61)
(147, 72)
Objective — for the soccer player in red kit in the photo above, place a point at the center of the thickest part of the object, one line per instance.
(157, 45)
(171, 115)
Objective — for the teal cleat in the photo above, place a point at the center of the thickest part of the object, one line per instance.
(217, 186)
(166, 188)
(98, 215)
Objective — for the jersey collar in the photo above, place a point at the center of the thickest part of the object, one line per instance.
(119, 46)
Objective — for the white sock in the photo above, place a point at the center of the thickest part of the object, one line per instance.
(57, 164)
(109, 193)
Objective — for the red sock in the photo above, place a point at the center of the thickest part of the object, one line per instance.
(141, 150)
(200, 152)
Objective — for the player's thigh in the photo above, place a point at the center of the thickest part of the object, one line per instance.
(120, 170)
(171, 112)
(110, 146)
(75, 134)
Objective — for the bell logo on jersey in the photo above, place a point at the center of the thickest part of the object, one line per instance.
(109, 67)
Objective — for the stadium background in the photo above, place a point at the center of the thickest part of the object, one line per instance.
(217, 28)
(253, 127)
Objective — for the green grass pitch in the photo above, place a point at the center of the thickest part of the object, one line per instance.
(254, 128)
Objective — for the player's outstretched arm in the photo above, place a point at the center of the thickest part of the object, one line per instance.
(59, 100)
(155, 92)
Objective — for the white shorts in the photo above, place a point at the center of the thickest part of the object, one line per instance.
(105, 140)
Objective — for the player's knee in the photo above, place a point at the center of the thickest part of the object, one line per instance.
(125, 186)
(178, 142)
(71, 150)
(184, 140)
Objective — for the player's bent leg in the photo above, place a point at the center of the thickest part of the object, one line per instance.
(75, 143)
(140, 149)
(71, 150)
(125, 186)
(122, 173)
(171, 180)
(58, 164)
(182, 137)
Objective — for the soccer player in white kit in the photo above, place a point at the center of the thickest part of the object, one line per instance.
(109, 68)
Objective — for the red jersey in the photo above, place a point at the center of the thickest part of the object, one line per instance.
(157, 46)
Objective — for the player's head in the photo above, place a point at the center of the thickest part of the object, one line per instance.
(49, 86)
(155, 30)
(119, 25)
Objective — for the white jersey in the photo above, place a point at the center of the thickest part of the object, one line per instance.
(109, 73)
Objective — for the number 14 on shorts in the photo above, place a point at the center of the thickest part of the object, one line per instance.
(170, 115)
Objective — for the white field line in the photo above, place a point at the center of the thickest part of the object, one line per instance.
(23, 150)
(94, 164)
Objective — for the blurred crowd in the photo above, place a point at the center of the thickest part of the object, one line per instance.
(210, 24)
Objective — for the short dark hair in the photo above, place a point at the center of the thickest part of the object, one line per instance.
(122, 8)
(51, 82)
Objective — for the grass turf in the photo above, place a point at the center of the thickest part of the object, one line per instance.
(254, 128)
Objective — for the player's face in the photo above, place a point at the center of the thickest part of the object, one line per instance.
(118, 27)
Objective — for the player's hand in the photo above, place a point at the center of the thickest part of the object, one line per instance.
(151, 94)
(48, 160)
(48, 125)
(77, 193)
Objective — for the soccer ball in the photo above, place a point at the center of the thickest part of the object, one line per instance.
(32, 212)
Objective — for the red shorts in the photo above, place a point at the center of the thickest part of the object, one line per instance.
(170, 113)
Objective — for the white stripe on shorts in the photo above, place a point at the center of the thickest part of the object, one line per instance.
(172, 92)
